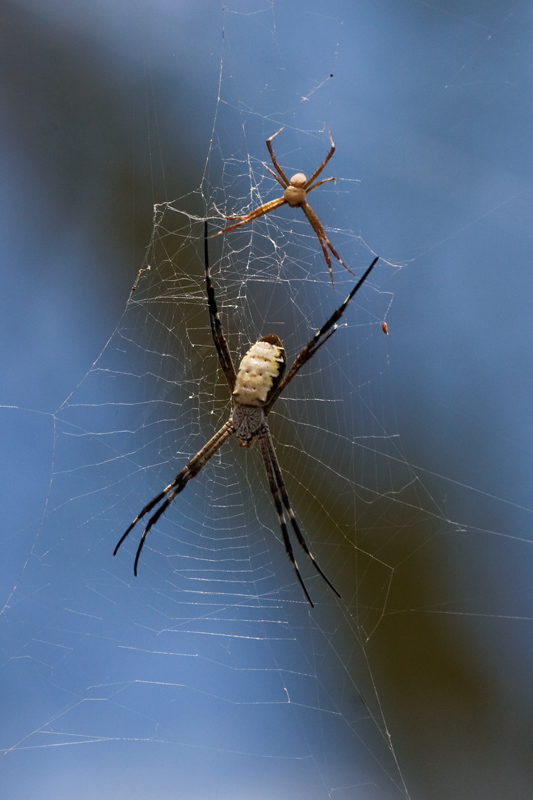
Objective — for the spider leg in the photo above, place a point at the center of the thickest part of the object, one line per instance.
(287, 503)
(244, 219)
(320, 338)
(322, 238)
(321, 167)
(225, 216)
(270, 471)
(326, 180)
(284, 185)
(224, 355)
(161, 510)
(273, 158)
(317, 229)
(179, 483)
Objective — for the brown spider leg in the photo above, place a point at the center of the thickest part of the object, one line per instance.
(284, 185)
(224, 216)
(279, 508)
(326, 180)
(287, 503)
(273, 158)
(178, 484)
(321, 167)
(320, 338)
(255, 214)
(323, 239)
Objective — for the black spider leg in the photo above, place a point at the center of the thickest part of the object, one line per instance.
(320, 338)
(178, 485)
(194, 466)
(266, 452)
(224, 355)
(287, 503)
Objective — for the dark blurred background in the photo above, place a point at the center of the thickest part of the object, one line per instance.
(110, 107)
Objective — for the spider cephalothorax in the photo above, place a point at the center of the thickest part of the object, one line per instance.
(255, 387)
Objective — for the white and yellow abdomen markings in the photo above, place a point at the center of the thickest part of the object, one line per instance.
(259, 372)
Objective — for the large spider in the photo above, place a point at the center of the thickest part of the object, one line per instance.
(256, 386)
(295, 195)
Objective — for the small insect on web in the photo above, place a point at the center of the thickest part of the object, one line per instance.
(261, 378)
(295, 195)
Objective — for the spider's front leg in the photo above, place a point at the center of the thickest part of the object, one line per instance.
(283, 181)
(320, 338)
(317, 172)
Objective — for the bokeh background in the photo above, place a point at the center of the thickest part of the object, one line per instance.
(110, 107)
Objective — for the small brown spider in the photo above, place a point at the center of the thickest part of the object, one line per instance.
(294, 194)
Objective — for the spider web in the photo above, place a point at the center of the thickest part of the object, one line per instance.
(210, 668)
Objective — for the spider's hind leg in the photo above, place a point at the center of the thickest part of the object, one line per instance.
(269, 458)
(245, 218)
(296, 527)
(323, 239)
(279, 490)
(226, 216)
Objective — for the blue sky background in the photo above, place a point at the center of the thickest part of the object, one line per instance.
(415, 490)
